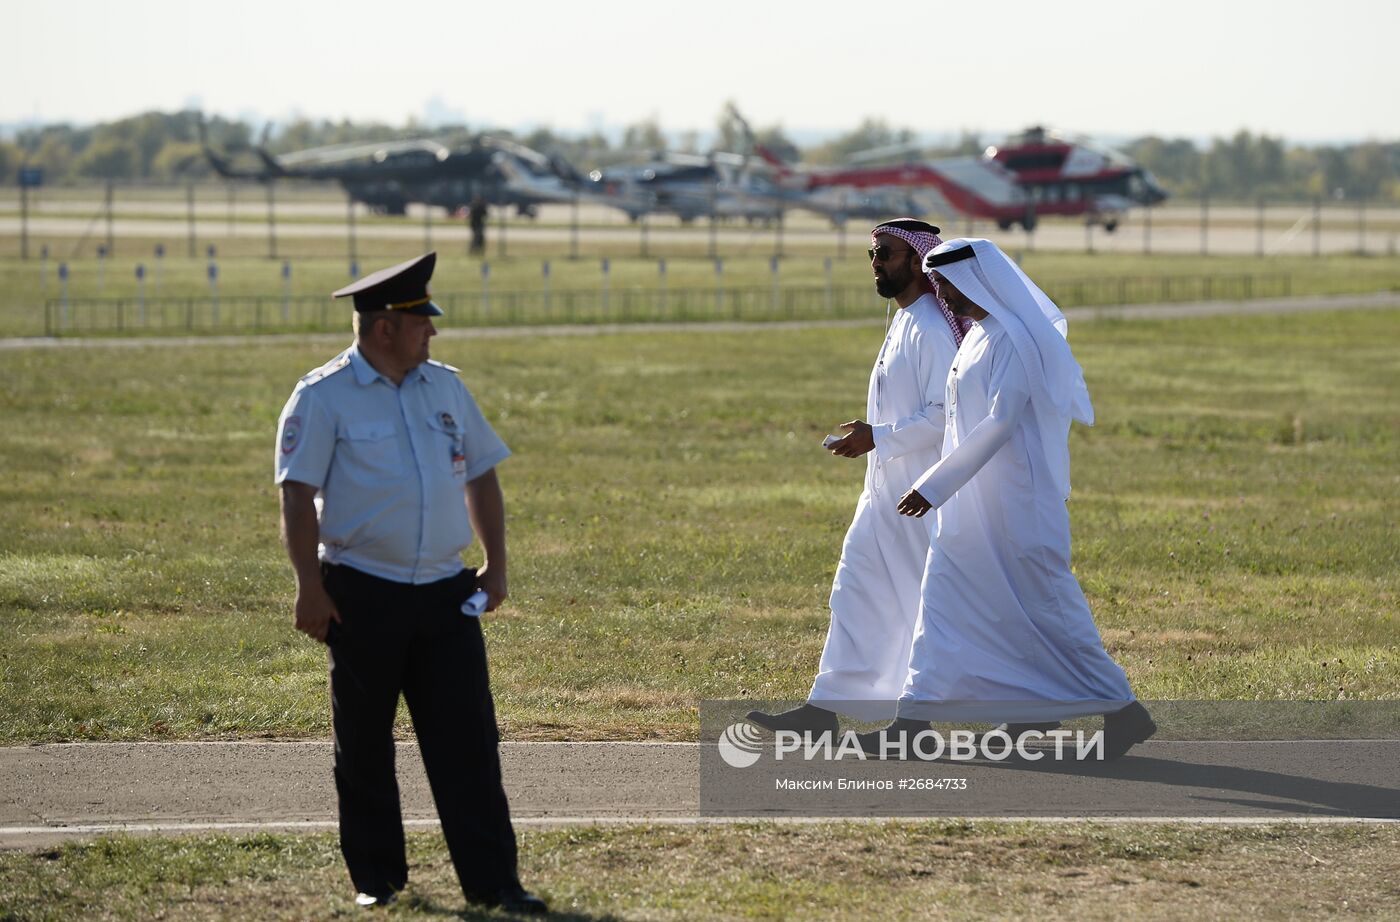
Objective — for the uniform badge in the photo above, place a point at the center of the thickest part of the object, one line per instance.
(291, 434)
(447, 421)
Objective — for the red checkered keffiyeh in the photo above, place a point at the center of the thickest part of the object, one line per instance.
(923, 243)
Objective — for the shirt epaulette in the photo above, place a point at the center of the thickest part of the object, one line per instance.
(339, 363)
(445, 366)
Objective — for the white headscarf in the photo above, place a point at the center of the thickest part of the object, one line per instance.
(1037, 329)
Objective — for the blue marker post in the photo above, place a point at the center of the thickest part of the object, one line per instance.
(214, 289)
(101, 269)
(286, 291)
(607, 285)
(544, 279)
(160, 258)
(485, 289)
(140, 295)
(63, 296)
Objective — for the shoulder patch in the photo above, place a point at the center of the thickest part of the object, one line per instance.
(339, 363)
(445, 366)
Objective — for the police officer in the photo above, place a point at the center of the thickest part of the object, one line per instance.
(403, 464)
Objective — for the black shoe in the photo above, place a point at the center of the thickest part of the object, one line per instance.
(807, 719)
(871, 743)
(1015, 730)
(519, 901)
(1122, 730)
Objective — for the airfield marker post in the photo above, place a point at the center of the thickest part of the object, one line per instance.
(573, 228)
(1317, 225)
(101, 269)
(140, 295)
(777, 283)
(719, 286)
(23, 220)
(107, 207)
(1205, 222)
(661, 272)
(778, 237)
(271, 224)
(44, 271)
(485, 289)
(1259, 228)
(830, 305)
(286, 290)
(1360, 227)
(63, 296)
(714, 243)
(189, 212)
(544, 276)
(350, 229)
(841, 240)
(213, 290)
(607, 285)
(160, 260)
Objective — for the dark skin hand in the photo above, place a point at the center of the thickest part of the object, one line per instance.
(912, 503)
(861, 439)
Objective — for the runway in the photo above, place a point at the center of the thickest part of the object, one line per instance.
(61, 791)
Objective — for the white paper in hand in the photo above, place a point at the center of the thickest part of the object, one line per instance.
(830, 441)
(475, 605)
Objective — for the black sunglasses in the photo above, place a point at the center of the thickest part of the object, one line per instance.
(882, 253)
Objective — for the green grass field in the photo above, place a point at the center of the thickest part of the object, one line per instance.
(937, 869)
(674, 523)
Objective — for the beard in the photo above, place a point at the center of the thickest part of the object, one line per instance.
(892, 283)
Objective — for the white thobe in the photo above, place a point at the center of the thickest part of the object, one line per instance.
(875, 596)
(1002, 619)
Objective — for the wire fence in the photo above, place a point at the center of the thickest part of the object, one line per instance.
(286, 313)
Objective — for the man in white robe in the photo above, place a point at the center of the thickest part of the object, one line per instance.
(875, 596)
(1004, 630)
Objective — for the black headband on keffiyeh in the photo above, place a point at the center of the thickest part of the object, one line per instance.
(923, 238)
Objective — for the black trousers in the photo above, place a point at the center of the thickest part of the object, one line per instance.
(395, 637)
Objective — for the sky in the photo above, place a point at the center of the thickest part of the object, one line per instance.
(1308, 72)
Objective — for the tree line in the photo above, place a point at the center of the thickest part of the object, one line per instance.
(165, 147)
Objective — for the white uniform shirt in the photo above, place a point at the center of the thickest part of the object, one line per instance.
(390, 463)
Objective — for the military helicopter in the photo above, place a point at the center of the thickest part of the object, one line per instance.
(389, 176)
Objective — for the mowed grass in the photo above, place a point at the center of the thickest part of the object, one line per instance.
(945, 870)
(26, 286)
(674, 524)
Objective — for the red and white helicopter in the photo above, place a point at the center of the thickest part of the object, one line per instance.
(1068, 178)
(1033, 175)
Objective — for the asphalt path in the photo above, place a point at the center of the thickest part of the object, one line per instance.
(67, 790)
(1165, 311)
